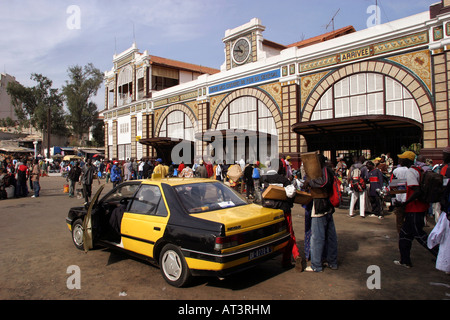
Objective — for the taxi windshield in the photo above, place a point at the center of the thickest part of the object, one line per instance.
(203, 197)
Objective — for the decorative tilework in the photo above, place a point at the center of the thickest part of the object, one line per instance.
(292, 69)
(419, 63)
(401, 43)
(308, 83)
(438, 33)
(274, 90)
(364, 52)
(319, 63)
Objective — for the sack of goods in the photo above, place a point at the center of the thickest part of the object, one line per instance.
(357, 183)
(235, 172)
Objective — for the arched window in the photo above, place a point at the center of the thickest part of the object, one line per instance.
(125, 86)
(366, 94)
(248, 113)
(177, 125)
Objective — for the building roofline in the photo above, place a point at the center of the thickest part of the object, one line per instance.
(155, 60)
(323, 37)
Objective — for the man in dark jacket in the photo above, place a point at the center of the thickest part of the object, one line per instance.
(248, 180)
(73, 177)
(145, 169)
(87, 177)
(22, 177)
(275, 178)
(376, 184)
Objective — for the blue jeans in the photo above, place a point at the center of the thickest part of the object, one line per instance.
(36, 188)
(72, 187)
(323, 242)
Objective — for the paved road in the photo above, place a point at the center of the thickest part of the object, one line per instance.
(38, 255)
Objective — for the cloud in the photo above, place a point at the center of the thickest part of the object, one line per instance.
(36, 39)
(31, 30)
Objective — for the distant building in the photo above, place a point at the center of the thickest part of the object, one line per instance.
(130, 86)
(6, 107)
(345, 92)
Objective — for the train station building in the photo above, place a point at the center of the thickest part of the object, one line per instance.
(345, 92)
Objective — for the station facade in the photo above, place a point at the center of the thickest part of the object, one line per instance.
(345, 92)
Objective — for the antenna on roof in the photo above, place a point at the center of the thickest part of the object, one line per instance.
(332, 20)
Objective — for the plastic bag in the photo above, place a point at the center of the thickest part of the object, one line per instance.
(290, 191)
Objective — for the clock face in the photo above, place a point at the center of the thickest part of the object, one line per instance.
(241, 50)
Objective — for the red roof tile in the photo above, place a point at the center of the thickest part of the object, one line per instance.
(182, 65)
(323, 37)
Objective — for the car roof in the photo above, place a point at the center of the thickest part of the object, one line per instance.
(177, 181)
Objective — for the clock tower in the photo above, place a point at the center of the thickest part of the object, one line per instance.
(243, 44)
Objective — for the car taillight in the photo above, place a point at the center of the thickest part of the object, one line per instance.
(228, 242)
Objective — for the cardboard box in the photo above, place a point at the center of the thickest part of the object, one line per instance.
(397, 186)
(311, 164)
(278, 193)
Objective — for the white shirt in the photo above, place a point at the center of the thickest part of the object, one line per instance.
(400, 173)
(412, 177)
(218, 170)
(441, 235)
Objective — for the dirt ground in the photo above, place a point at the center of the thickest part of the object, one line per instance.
(37, 255)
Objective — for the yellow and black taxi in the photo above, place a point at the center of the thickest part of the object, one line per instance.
(187, 227)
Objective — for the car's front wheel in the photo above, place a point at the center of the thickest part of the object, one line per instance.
(77, 234)
(173, 266)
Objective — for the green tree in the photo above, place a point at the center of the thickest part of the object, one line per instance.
(83, 85)
(98, 133)
(10, 122)
(34, 105)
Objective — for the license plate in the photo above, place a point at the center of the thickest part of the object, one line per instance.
(259, 252)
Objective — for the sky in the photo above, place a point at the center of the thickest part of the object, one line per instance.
(49, 36)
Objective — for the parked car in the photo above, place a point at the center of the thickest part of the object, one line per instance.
(187, 227)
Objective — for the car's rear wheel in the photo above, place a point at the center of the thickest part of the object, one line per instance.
(77, 234)
(173, 266)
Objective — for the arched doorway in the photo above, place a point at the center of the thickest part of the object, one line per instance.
(366, 111)
(174, 135)
(245, 123)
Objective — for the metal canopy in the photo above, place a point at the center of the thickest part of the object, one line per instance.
(351, 125)
(379, 134)
(163, 146)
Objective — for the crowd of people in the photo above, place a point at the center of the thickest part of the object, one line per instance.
(367, 183)
(19, 176)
